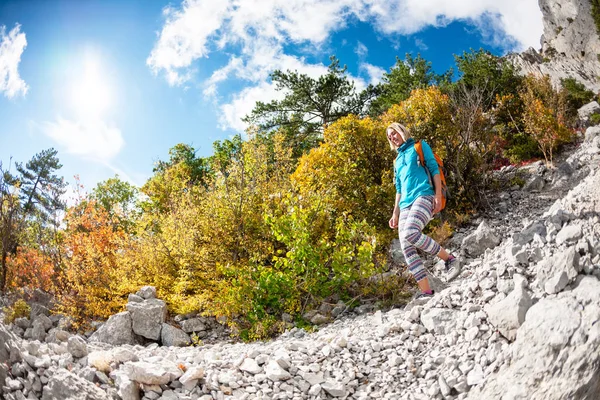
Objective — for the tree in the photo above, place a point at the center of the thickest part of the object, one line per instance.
(407, 75)
(226, 152)
(41, 189)
(11, 221)
(31, 197)
(309, 105)
(349, 171)
(119, 199)
(488, 74)
(199, 167)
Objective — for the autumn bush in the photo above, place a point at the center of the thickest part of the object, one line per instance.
(545, 114)
(20, 309)
(89, 279)
(30, 268)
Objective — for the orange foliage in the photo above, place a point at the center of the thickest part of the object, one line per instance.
(90, 277)
(31, 268)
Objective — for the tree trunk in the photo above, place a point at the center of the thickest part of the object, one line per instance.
(3, 272)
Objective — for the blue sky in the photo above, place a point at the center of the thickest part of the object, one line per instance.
(112, 85)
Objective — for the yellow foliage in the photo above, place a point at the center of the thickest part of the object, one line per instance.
(18, 310)
(427, 114)
(351, 171)
(545, 114)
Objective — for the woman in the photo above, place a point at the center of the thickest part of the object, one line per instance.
(417, 200)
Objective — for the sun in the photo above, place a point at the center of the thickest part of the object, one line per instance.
(90, 94)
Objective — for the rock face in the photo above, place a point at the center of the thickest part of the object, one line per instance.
(570, 44)
(585, 113)
(561, 335)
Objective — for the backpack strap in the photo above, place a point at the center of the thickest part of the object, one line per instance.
(419, 150)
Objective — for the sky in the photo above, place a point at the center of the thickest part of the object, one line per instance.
(113, 85)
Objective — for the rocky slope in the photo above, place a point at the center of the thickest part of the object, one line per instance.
(570, 44)
(521, 322)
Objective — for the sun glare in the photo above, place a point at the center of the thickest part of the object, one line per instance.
(90, 94)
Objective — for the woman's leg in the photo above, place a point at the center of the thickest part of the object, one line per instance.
(419, 215)
(412, 222)
(414, 262)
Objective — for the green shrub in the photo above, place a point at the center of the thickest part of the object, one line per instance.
(523, 147)
(577, 96)
(18, 310)
(596, 14)
(595, 119)
(517, 180)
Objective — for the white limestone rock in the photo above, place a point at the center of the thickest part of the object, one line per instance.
(116, 331)
(148, 317)
(483, 238)
(508, 314)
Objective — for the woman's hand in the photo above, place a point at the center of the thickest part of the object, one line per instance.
(437, 203)
(394, 220)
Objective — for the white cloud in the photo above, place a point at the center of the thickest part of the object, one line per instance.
(95, 140)
(361, 50)
(11, 49)
(518, 21)
(421, 44)
(260, 30)
(243, 103)
(184, 37)
(374, 72)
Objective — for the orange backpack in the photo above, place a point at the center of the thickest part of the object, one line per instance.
(440, 163)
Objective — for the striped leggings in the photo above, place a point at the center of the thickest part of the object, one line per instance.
(412, 221)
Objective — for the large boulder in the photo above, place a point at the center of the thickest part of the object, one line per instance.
(526, 235)
(556, 353)
(508, 314)
(67, 386)
(153, 373)
(148, 317)
(555, 272)
(442, 320)
(147, 292)
(483, 238)
(585, 113)
(591, 133)
(193, 325)
(116, 331)
(77, 347)
(172, 336)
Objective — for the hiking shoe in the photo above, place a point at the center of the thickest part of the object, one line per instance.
(453, 268)
(423, 295)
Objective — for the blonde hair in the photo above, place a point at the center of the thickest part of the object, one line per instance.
(401, 129)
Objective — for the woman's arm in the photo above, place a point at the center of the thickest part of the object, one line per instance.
(430, 161)
(396, 214)
(437, 183)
